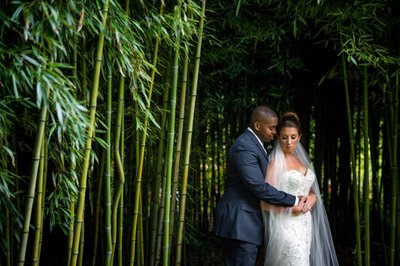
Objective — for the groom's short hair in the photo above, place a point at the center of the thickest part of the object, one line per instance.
(261, 111)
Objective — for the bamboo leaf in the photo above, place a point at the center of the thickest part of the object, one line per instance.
(59, 113)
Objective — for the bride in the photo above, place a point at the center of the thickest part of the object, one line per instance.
(292, 236)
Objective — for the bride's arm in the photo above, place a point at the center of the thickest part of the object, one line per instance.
(265, 206)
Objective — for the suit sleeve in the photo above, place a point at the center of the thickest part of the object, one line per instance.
(247, 165)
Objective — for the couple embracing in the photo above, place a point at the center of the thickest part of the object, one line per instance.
(272, 199)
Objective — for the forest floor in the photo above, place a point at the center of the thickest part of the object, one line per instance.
(209, 253)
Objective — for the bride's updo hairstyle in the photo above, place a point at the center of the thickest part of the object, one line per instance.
(289, 119)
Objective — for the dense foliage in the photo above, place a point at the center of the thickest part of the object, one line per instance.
(116, 117)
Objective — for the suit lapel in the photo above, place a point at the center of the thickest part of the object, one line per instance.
(257, 144)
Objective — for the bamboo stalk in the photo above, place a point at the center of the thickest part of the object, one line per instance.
(90, 133)
(81, 244)
(353, 163)
(32, 183)
(118, 161)
(98, 206)
(39, 210)
(393, 135)
(366, 170)
(138, 192)
(171, 134)
(157, 211)
(188, 138)
(179, 137)
(107, 177)
(121, 205)
(71, 233)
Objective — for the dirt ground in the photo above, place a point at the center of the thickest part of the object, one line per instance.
(209, 253)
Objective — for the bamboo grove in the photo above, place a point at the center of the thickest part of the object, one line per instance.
(116, 118)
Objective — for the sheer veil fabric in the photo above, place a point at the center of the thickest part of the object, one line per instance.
(322, 251)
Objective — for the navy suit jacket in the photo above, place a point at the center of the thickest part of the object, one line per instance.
(238, 213)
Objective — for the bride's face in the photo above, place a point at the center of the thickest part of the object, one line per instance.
(288, 138)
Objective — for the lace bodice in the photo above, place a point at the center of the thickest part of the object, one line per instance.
(296, 183)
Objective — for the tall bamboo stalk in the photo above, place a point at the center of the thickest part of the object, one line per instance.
(81, 244)
(107, 176)
(32, 183)
(71, 232)
(39, 210)
(188, 137)
(141, 153)
(353, 162)
(171, 132)
(393, 140)
(121, 205)
(118, 161)
(366, 169)
(179, 137)
(8, 242)
(98, 207)
(157, 212)
(90, 133)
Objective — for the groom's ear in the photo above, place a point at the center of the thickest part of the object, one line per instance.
(256, 125)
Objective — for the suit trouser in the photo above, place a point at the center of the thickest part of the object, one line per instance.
(239, 253)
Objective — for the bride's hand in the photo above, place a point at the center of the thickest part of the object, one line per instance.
(309, 202)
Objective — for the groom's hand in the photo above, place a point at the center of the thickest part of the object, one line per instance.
(298, 209)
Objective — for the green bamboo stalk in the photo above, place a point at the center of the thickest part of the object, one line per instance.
(138, 186)
(118, 161)
(8, 230)
(90, 133)
(353, 163)
(188, 137)
(107, 176)
(161, 215)
(98, 206)
(71, 232)
(366, 170)
(156, 189)
(81, 244)
(393, 117)
(171, 133)
(45, 170)
(121, 205)
(179, 137)
(39, 210)
(32, 184)
(157, 212)
(120, 232)
(141, 249)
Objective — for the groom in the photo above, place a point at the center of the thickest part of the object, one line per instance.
(238, 219)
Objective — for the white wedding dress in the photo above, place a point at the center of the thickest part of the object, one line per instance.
(288, 237)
